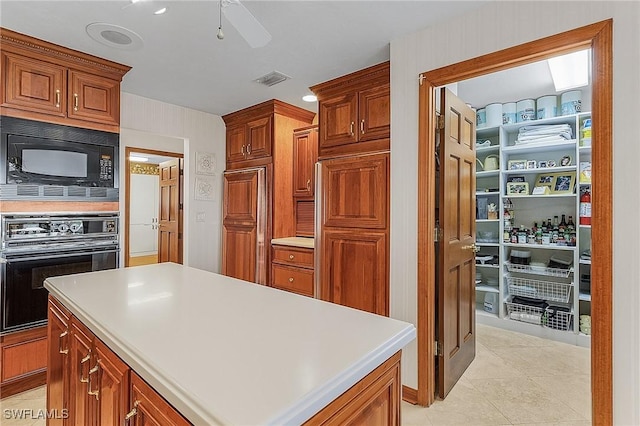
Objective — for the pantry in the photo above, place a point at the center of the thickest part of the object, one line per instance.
(533, 184)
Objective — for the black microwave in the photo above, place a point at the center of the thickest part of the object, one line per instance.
(45, 161)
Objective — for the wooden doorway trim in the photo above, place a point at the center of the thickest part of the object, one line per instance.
(598, 37)
(127, 188)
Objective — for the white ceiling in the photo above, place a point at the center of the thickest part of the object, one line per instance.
(183, 63)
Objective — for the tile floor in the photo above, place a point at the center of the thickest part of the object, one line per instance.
(514, 379)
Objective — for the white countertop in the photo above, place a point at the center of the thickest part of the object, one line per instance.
(225, 351)
(304, 242)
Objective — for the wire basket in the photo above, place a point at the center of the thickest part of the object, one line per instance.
(539, 270)
(524, 313)
(557, 319)
(546, 290)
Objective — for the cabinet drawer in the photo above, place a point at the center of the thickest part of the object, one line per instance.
(296, 280)
(293, 256)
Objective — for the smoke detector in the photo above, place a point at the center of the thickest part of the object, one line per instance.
(272, 78)
(114, 36)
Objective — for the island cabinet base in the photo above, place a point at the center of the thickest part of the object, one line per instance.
(374, 400)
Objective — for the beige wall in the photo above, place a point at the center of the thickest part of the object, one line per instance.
(147, 123)
(496, 26)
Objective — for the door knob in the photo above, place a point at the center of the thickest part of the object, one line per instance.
(472, 247)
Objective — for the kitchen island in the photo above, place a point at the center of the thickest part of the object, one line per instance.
(219, 350)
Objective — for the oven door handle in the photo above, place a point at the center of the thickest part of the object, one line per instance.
(56, 256)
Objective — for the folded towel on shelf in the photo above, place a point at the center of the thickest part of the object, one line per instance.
(544, 133)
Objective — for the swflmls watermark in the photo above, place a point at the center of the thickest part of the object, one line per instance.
(30, 414)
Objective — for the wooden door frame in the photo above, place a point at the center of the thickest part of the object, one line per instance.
(598, 37)
(127, 188)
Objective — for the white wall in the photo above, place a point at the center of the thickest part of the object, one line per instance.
(496, 26)
(147, 123)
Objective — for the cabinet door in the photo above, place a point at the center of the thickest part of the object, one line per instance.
(93, 98)
(239, 251)
(305, 150)
(337, 117)
(374, 111)
(112, 387)
(236, 144)
(34, 85)
(57, 362)
(150, 408)
(354, 270)
(80, 360)
(355, 192)
(259, 136)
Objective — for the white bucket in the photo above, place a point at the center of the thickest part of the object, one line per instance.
(525, 110)
(571, 102)
(481, 118)
(509, 113)
(493, 115)
(547, 106)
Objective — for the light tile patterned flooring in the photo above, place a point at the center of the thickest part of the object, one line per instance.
(514, 379)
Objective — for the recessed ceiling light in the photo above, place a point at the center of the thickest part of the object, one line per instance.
(160, 11)
(114, 36)
(310, 98)
(138, 158)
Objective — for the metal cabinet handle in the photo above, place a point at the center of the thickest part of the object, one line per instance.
(351, 128)
(249, 149)
(308, 184)
(57, 98)
(63, 351)
(82, 361)
(75, 101)
(291, 257)
(362, 126)
(290, 279)
(243, 154)
(91, 371)
(133, 411)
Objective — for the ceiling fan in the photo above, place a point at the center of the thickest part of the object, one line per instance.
(244, 22)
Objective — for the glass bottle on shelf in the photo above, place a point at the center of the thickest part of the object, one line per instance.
(563, 224)
(570, 224)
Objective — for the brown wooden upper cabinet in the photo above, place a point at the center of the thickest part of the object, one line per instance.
(355, 112)
(252, 132)
(46, 82)
(305, 154)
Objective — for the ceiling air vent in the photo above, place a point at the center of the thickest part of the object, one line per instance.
(272, 78)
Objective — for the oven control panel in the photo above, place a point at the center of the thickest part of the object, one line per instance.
(55, 228)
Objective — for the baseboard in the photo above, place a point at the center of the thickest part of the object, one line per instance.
(409, 395)
(23, 384)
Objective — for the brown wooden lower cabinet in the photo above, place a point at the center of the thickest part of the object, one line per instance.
(292, 269)
(23, 360)
(374, 400)
(88, 384)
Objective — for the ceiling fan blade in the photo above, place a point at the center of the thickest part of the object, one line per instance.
(246, 24)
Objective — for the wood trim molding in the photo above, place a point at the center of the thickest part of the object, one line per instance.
(127, 188)
(599, 37)
(409, 395)
(59, 54)
(268, 108)
(364, 78)
(10, 206)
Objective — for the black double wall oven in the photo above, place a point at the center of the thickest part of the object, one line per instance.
(50, 162)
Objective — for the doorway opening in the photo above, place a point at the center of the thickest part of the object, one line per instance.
(598, 37)
(153, 206)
